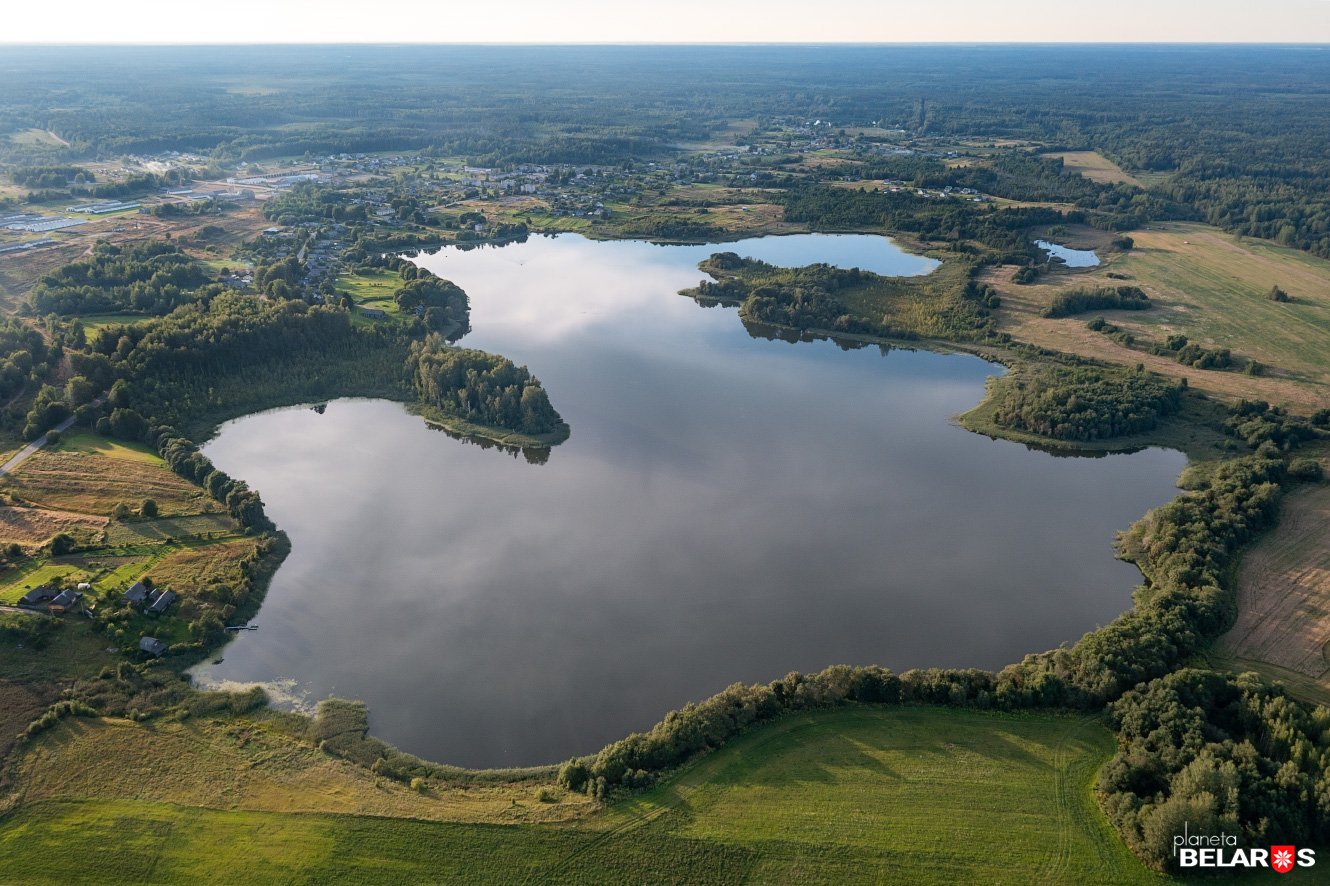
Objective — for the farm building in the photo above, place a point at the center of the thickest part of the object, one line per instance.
(152, 646)
(65, 601)
(38, 595)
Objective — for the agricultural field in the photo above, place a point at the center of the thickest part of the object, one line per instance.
(1209, 286)
(1096, 167)
(37, 526)
(1283, 624)
(920, 795)
(94, 482)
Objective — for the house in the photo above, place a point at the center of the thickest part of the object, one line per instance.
(152, 646)
(160, 601)
(65, 601)
(38, 595)
(373, 312)
(137, 593)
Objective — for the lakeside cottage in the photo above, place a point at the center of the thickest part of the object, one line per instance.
(159, 601)
(152, 646)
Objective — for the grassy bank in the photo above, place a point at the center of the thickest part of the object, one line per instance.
(920, 795)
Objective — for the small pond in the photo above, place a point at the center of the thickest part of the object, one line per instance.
(1072, 258)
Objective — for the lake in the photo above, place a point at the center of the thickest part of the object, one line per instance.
(728, 507)
(1072, 258)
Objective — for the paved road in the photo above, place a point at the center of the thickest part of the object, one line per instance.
(30, 450)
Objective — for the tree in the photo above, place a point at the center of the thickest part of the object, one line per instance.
(1277, 294)
(62, 544)
(148, 508)
(120, 511)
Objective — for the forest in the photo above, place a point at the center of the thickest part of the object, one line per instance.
(153, 277)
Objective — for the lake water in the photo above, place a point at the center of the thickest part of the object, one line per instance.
(727, 508)
(1072, 258)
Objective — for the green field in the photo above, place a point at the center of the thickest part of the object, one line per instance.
(93, 322)
(372, 290)
(95, 444)
(917, 795)
(34, 573)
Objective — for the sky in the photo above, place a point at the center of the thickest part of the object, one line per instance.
(666, 21)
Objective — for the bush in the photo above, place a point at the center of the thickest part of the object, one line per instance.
(1306, 470)
(1101, 298)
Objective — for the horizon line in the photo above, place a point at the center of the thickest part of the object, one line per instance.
(8, 44)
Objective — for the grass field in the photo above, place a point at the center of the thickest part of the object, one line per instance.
(918, 795)
(137, 532)
(76, 651)
(372, 290)
(38, 137)
(94, 444)
(17, 581)
(1211, 287)
(94, 322)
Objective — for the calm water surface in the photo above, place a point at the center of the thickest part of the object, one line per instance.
(1072, 258)
(727, 508)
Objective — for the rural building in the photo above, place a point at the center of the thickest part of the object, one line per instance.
(152, 646)
(38, 595)
(373, 312)
(160, 601)
(65, 601)
(137, 593)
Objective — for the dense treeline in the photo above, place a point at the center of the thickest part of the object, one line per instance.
(49, 176)
(640, 758)
(152, 277)
(183, 457)
(1083, 403)
(23, 355)
(1097, 298)
(1220, 754)
(481, 388)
